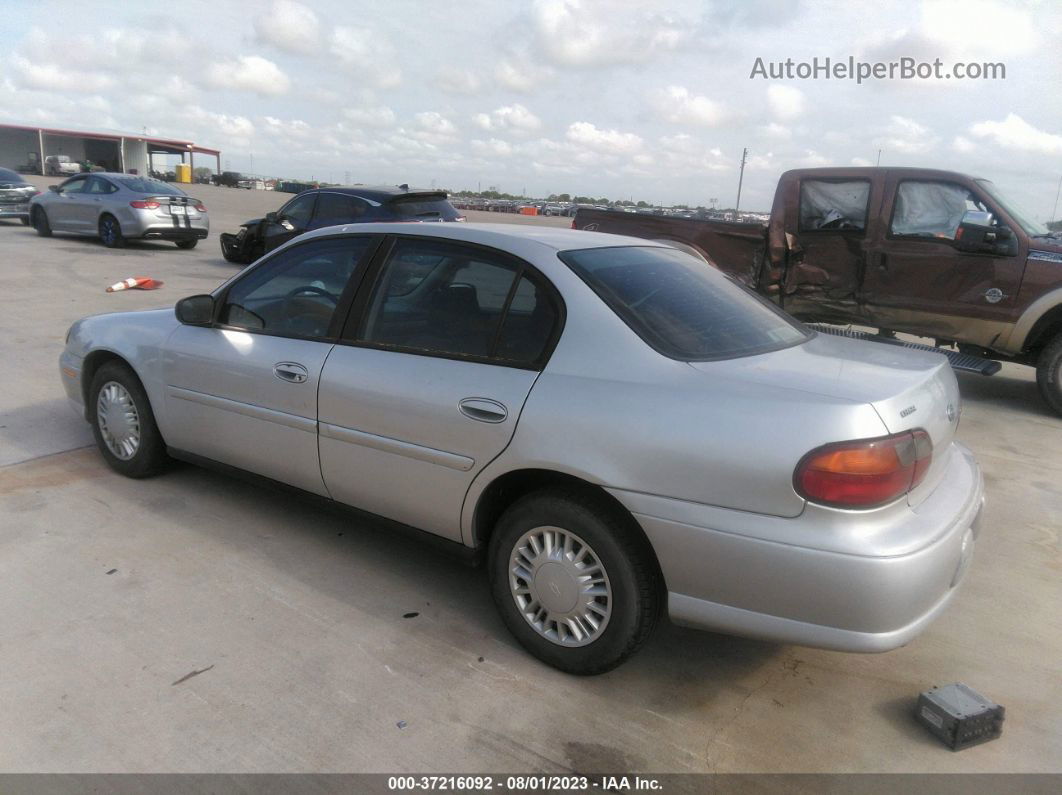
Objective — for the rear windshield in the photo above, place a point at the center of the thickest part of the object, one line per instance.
(156, 187)
(682, 306)
(428, 207)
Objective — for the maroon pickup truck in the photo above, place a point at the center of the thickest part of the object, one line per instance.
(920, 251)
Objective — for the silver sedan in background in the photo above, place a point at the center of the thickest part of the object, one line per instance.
(120, 207)
(615, 426)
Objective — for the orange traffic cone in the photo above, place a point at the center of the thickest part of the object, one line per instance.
(135, 283)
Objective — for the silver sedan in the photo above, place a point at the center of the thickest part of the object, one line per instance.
(120, 207)
(617, 429)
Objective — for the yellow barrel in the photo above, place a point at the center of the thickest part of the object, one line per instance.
(184, 172)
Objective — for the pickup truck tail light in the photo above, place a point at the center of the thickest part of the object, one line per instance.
(573, 223)
(144, 204)
(864, 473)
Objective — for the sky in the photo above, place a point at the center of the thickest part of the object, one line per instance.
(607, 98)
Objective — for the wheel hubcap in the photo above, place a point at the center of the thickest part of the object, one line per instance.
(108, 231)
(118, 420)
(560, 586)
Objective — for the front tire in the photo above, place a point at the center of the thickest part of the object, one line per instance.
(186, 244)
(111, 232)
(123, 423)
(40, 222)
(574, 580)
(1049, 373)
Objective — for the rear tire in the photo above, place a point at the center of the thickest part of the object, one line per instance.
(186, 244)
(578, 625)
(111, 232)
(1049, 373)
(125, 431)
(40, 222)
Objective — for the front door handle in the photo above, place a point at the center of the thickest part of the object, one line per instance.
(291, 372)
(483, 410)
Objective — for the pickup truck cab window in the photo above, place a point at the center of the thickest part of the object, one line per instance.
(297, 292)
(834, 205)
(931, 209)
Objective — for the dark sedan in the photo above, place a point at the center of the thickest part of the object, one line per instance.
(320, 207)
(15, 195)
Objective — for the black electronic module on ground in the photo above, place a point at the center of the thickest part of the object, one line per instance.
(959, 716)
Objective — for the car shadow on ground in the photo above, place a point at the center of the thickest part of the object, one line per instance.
(1005, 391)
(367, 565)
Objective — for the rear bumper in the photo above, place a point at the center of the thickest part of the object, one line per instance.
(158, 225)
(171, 233)
(720, 578)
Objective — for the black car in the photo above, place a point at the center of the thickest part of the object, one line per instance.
(15, 194)
(313, 209)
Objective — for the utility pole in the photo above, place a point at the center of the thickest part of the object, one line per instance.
(879, 158)
(1054, 212)
(741, 177)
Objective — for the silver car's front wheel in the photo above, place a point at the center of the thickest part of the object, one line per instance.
(123, 423)
(560, 586)
(119, 420)
(574, 578)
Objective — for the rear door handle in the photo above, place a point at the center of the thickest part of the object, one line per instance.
(483, 410)
(292, 372)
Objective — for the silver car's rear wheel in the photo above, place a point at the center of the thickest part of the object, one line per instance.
(560, 586)
(119, 420)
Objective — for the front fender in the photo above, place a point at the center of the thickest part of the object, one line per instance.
(1019, 335)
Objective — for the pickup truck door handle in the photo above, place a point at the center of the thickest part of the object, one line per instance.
(883, 264)
(291, 372)
(483, 410)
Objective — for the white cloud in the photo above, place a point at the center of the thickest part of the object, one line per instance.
(52, 77)
(1016, 133)
(980, 27)
(786, 102)
(906, 136)
(289, 26)
(367, 54)
(510, 118)
(778, 132)
(610, 141)
(432, 127)
(574, 33)
(249, 73)
(516, 75)
(678, 105)
(861, 161)
(459, 81)
(494, 147)
(377, 117)
(963, 145)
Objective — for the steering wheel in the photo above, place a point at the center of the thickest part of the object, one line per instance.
(309, 314)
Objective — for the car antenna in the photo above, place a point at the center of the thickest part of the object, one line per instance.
(403, 186)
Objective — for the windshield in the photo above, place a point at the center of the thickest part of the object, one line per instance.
(681, 305)
(429, 207)
(1024, 219)
(156, 187)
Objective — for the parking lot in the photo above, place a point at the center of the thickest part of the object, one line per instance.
(193, 622)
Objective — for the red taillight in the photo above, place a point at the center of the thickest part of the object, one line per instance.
(573, 223)
(144, 204)
(866, 472)
(200, 207)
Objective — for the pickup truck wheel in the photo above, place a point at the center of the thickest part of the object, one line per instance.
(123, 423)
(1049, 373)
(40, 222)
(574, 582)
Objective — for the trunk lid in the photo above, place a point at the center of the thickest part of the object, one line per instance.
(908, 389)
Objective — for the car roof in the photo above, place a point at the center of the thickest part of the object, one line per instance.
(377, 193)
(11, 176)
(495, 235)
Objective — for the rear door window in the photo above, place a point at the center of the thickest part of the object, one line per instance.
(338, 208)
(447, 299)
(832, 205)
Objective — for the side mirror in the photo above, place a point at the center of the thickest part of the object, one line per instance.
(53, 188)
(976, 234)
(272, 218)
(196, 310)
